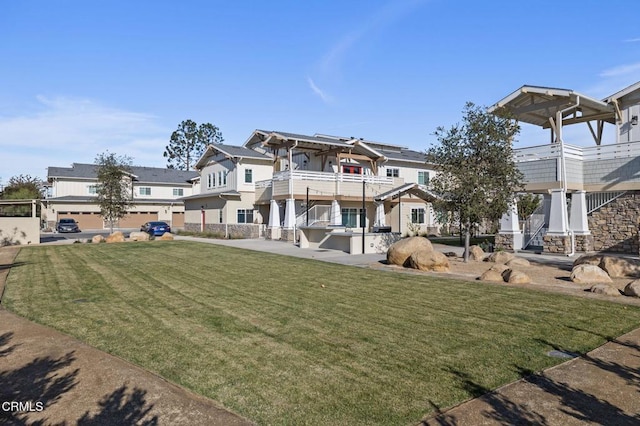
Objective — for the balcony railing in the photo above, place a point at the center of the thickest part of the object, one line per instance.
(331, 177)
(592, 153)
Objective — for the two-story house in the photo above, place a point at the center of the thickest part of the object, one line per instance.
(155, 193)
(590, 191)
(278, 182)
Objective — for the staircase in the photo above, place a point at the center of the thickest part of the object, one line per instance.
(319, 215)
(534, 229)
(596, 200)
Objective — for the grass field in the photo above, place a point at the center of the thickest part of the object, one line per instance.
(260, 334)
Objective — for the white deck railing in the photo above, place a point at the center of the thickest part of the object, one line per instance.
(331, 177)
(592, 153)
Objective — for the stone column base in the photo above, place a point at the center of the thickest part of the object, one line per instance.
(556, 244)
(584, 243)
(287, 235)
(504, 242)
(272, 234)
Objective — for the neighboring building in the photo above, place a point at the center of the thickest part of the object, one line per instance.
(603, 181)
(267, 185)
(155, 192)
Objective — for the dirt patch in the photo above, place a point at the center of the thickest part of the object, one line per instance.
(546, 275)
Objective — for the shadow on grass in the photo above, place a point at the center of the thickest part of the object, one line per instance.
(11, 265)
(572, 402)
(44, 380)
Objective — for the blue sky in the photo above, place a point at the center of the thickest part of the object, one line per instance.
(78, 78)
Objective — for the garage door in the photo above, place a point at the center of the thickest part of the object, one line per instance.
(86, 220)
(177, 220)
(137, 219)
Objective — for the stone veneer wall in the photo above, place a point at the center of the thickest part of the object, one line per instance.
(556, 244)
(615, 226)
(287, 235)
(504, 242)
(242, 230)
(584, 243)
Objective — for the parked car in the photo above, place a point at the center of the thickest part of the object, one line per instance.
(67, 225)
(155, 228)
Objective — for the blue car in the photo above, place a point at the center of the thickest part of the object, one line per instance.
(155, 228)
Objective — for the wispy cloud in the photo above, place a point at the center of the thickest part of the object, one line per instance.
(62, 130)
(321, 94)
(331, 63)
(621, 70)
(632, 40)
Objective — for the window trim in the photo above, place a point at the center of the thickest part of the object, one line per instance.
(178, 192)
(425, 174)
(248, 173)
(416, 212)
(244, 213)
(393, 172)
(144, 190)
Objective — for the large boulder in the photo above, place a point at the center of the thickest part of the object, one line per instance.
(589, 274)
(605, 289)
(632, 289)
(400, 251)
(516, 277)
(588, 259)
(518, 262)
(500, 257)
(97, 239)
(492, 275)
(499, 267)
(116, 237)
(476, 253)
(139, 236)
(426, 260)
(167, 236)
(619, 267)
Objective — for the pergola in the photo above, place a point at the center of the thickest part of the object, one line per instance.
(552, 108)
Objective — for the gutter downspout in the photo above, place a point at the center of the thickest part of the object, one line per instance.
(564, 167)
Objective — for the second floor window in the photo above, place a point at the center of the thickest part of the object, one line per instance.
(93, 189)
(145, 190)
(392, 172)
(423, 178)
(248, 176)
(211, 180)
(178, 192)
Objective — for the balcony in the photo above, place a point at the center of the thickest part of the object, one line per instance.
(595, 168)
(322, 185)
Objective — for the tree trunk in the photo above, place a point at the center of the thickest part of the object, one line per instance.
(467, 241)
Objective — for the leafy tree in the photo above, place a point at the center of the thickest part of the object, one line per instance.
(527, 204)
(22, 187)
(189, 142)
(114, 186)
(477, 177)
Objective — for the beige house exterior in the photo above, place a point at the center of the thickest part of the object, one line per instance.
(155, 192)
(278, 183)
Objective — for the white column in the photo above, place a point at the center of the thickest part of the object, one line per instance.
(274, 214)
(509, 223)
(380, 221)
(290, 214)
(336, 213)
(578, 222)
(558, 213)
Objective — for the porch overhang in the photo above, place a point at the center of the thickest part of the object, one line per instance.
(419, 191)
(539, 105)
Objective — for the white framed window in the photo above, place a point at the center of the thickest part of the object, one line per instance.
(93, 189)
(417, 215)
(245, 216)
(423, 178)
(178, 192)
(393, 172)
(145, 190)
(211, 180)
(248, 176)
(224, 178)
(352, 218)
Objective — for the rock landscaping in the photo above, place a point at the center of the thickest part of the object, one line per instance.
(417, 253)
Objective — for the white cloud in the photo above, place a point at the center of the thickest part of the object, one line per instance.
(632, 40)
(63, 130)
(621, 70)
(325, 98)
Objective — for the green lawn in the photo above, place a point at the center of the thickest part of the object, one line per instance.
(260, 334)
